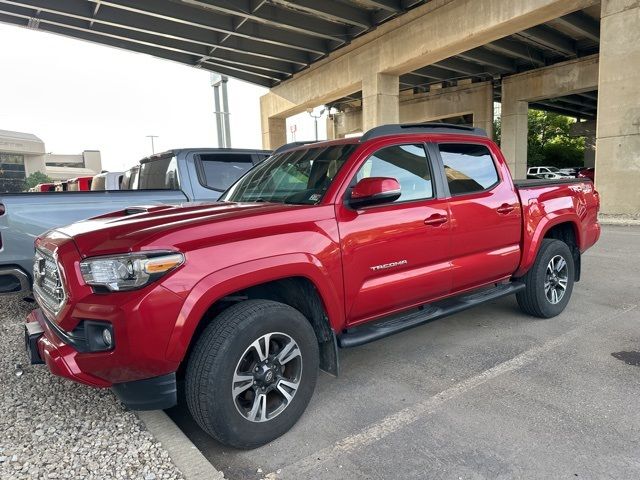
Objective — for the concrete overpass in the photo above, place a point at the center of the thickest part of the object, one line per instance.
(384, 61)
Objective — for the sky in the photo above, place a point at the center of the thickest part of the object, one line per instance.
(76, 95)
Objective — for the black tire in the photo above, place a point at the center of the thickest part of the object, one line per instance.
(533, 299)
(216, 356)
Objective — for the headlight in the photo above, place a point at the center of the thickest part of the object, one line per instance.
(130, 271)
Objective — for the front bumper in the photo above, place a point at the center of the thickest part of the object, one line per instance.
(43, 345)
(60, 358)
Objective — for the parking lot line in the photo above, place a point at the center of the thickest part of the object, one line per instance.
(409, 415)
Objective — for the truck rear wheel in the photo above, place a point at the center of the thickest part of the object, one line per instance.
(549, 282)
(252, 373)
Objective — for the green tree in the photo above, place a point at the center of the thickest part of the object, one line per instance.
(549, 142)
(36, 178)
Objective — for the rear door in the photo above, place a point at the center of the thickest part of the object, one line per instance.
(485, 215)
(395, 255)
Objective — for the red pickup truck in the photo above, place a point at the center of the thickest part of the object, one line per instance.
(321, 246)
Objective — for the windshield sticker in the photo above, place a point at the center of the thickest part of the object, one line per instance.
(315, 197)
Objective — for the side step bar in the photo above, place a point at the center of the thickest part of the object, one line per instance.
(383, 328)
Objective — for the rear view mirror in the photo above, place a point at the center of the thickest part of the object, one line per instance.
(374, 191)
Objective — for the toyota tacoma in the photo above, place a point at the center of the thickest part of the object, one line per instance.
(320, 247)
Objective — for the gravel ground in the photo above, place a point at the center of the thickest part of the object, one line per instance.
(55, 428)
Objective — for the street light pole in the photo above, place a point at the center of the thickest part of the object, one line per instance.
(315, 118)
(153, 148)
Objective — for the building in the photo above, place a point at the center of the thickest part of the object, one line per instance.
(22, 154)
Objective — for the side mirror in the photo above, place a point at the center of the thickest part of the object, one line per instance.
(373, 191)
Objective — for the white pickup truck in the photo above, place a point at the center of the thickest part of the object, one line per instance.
(174, 177)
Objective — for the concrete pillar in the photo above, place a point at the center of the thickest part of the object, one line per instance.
(483, 116)
(586, 129)
(380, 100)
(274, 132)
(590, 151)
(515, 128)
(618, 130)
(331, 127)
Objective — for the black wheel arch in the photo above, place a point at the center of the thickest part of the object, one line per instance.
(297, 292)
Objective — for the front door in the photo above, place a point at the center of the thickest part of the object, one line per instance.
(395, 255)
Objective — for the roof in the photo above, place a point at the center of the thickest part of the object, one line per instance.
(177, 151)
(266, 42)
(263, 42)
(19, 136)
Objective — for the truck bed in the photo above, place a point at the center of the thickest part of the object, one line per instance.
(545, 201)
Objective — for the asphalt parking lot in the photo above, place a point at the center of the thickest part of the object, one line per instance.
(489, 393)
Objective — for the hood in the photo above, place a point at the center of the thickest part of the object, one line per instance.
(179, 227)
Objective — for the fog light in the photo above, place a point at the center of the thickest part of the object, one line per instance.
(106, 338)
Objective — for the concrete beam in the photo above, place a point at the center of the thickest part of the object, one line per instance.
(574, 76)
(475, 99)
(425, 35)
(618, 130)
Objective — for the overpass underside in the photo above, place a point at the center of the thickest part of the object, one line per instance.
(452, 59)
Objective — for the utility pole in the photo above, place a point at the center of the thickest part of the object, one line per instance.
(153, 148)
(220, 99)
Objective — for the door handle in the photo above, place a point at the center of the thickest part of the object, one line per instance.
(505, 208)
(435, 220)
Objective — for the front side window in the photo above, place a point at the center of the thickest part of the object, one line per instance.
(408, 164)
(299, 177)
(469, 167)
(219, 171)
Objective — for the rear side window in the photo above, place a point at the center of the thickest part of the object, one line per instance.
(160, 174)
(219, 171)
(407, 164)
(469, 167)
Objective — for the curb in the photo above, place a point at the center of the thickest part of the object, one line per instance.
(186, 456)
(625, 220)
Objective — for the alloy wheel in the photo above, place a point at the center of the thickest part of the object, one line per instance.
(556, 279)
(267, 377)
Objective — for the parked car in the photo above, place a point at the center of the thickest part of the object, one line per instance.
(130, 178)
(79, 184)
(589, 173)
(60, 186)
(328, 245)
(107, 181)
(545, 172)
(173, 177)
(43, 187)
(570, 171)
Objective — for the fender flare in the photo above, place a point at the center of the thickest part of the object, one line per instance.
(223, 282)
(531, 244)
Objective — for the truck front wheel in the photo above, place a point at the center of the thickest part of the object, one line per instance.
(252, 373)
(549, 282)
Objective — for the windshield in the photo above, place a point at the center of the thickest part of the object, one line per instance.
(300, 177)
(553, 169)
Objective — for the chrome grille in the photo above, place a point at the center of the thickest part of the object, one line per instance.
(47, 282)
